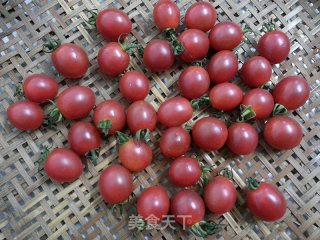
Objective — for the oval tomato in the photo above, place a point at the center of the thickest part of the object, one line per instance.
(134, 86)
(201, 15)
(166, 14)
(225, 36)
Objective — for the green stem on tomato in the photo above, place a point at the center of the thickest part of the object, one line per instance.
(93, 18)
(177, 46)
(279, 110)
(119, 206)
(253, 183)
(105, 126)
(19, 91)
(51, 45)
(44, 154)
(196, 103)
(122, 138)
(93, 155)
(246, 113)
(53, 118)
(227, 173)
(204, 229)
(143, 134)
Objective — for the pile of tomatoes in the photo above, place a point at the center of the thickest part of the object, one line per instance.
(208, 133)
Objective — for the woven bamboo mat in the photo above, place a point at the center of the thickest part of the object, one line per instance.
(34, 207)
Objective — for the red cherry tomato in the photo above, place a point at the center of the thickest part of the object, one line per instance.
(166, 14)
(282, 133)
(158, 55)
(115, 184)
(292, 92)
(256, 71)
(70, 60)
(225, 36)
(141, 115)
(76, 102)
(63, 165)
(225, 96)
(175, 111)
(185, 171)
(113, 23)
(223, 66)
(209, 133)
(175, 142)
(134, 86)
(274, 46)
(220, 195)
(153, 202)
(194, 82)
(242, 138)
(25, 115)
(201, 15)
(40, 88)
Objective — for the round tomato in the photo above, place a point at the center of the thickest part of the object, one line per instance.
(134, 86)
(225, 36)
(25, 115)
(63, 165)
(166, 14)
(282, 133)
(201, 15)
(115, 184)
(223, 66)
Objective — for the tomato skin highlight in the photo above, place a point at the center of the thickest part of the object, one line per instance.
(134, 86)
(166, 14)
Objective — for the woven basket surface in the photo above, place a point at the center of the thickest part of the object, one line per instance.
(34, 207)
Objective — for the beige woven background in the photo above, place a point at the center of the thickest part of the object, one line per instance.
(34, 207)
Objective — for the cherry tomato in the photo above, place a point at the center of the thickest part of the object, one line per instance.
(40, 88)
(175, 142)
(141, 115)
(209, 133)
(223, 66)
(134, 86)
(225, 96)
(274, 46)
(242, 138)
(282, 132)
(166, 14)
(113, 111)
(256, 71)
(185, 171)
(195, 43)
(113, 59)
(115, 184)
(70, 60)
(201, 15)
(63, 165)
(158, 55)
(225, 36)
(175, 111)
(220, 195)
(194, 82)
(292, 92)
(153, 202)
(113, 23)
(25, 115)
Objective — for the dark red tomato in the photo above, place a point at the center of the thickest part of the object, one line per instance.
(63, 165)
(112, 59)
(187, 202)
(158, 55)
(141, 115)
(135, 156)
(220, 195)
(113, 111)
(209, 133)
(282, 133)
(175, 111)
(25, 115)
(134, 86)
(40, 88)
(256, 71)
(274, 46)
(201, 15)
(115, 184)
(185, 171)
(261, 101)
(223, 66)
(153, 202)
(76, 102)
(225, 96)
(242, 138)
(70, 60)
(166, 14)
(194, 82)
(195, 43)
(113, 23)
(225, 36)
(175, 142)
(266, 202)
(292, 92)
(83, 137)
